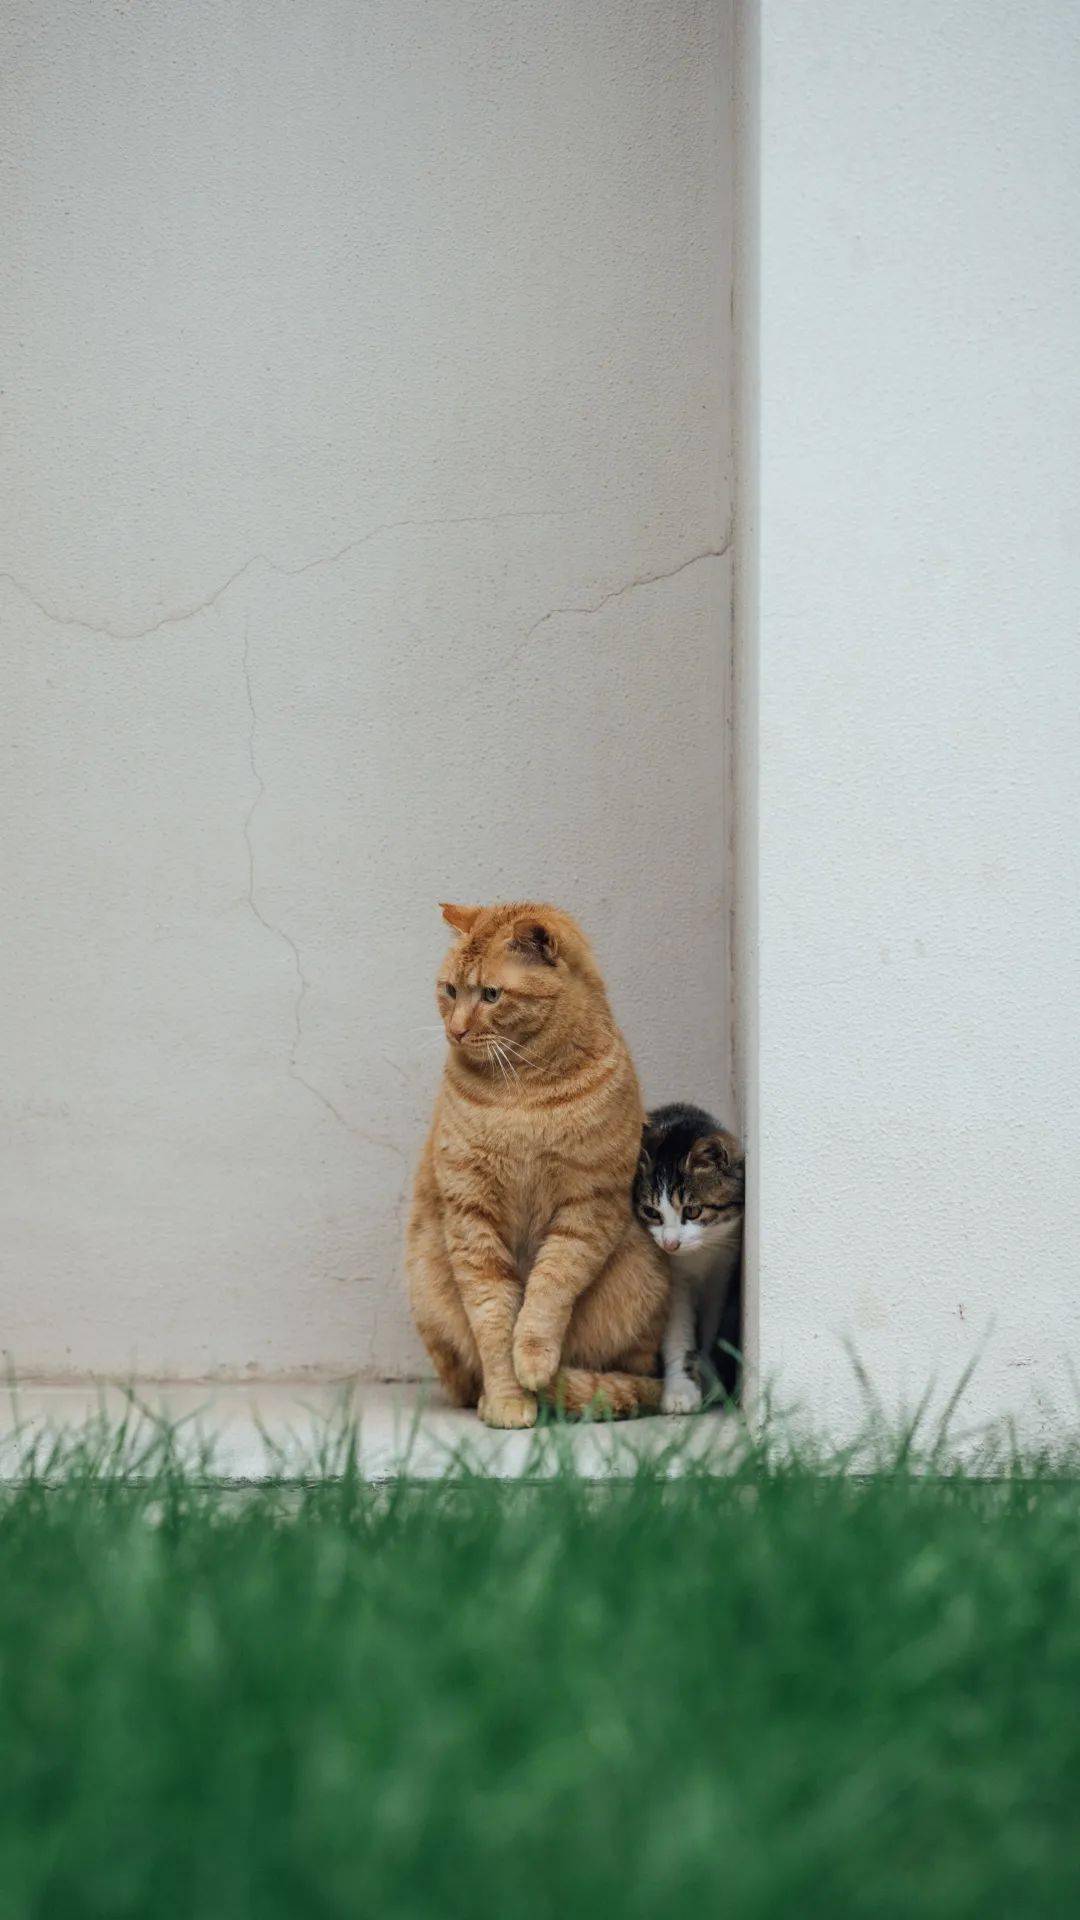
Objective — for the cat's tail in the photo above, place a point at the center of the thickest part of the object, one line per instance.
(603, 1396)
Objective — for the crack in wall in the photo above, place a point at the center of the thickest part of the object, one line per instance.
(631, 586)
(282, 934)
(182, 614)
(616, 593)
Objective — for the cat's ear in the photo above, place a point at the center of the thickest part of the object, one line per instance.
(535, 940)
(713, 1153)
(462, 919)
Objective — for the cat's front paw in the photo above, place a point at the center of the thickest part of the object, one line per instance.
(680, 1396)
(536, 1358)
(507, 1407)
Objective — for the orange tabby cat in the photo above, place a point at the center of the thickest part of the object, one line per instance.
(528, 1271)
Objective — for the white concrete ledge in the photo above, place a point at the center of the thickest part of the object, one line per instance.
(295, 1431)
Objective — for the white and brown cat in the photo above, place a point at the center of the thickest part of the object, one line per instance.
(689, 1192)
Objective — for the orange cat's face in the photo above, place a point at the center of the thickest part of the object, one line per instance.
(500, 985)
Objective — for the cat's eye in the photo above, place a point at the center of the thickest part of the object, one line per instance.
(450, 992)
(691, 1213)
(490, 994)
(650, 1213)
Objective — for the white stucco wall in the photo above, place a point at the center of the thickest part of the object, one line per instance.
(367, 504)
(915, 576)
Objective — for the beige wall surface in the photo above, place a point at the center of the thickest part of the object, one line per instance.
(365, 543)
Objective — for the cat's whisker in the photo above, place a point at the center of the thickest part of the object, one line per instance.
(506, 1065)
(495, 1054)
(513, 1070)
(511, 1046)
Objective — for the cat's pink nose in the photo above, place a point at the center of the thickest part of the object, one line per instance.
(670, 1242)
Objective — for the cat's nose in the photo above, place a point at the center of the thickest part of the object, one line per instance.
(669, 1242)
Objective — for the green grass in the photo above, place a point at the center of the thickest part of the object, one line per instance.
(775, 1694)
